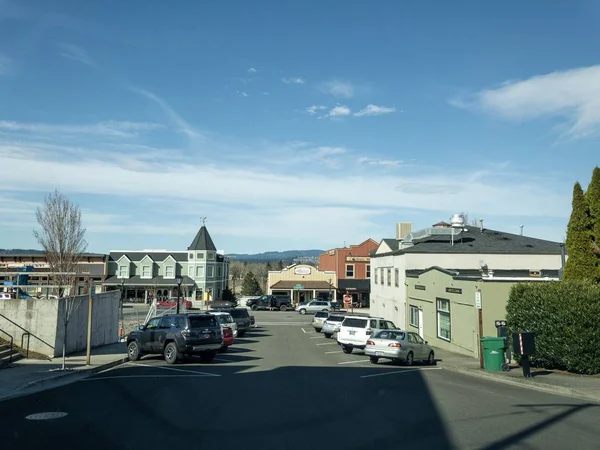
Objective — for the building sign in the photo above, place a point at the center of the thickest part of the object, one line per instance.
(419, 287)
(298, 287)
(358, 258)
(331, 252)
(302, 270)
(451, 290)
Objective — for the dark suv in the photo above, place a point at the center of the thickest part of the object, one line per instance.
(240, 316)
(281, 302)
(176, 335)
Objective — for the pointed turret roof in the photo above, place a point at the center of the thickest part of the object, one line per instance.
(203, 241)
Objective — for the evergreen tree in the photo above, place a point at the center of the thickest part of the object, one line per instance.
(582, 262)
(280, 265)
(250, 285)
(592, 196)
(269, 267)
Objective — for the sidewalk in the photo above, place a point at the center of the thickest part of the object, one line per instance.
(585, 387)
(32, 375)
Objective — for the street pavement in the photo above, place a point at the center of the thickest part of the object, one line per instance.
(285, 386)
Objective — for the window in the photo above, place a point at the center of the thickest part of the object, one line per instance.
(210, 271)
(199, 255)
(368, 271)
(397, 277)
(219, 272)
(381, 276)
(199, 271)
(203, 321)
(376, 277)
(169, 272)
(354, 322)
(123, 272)
(210, 256)
(218, 292)
(389, 277)
(146, 272)
(413, 318)
(391, 325)
(443, 318)
(191, 256)
(191, 271)
(349, 270)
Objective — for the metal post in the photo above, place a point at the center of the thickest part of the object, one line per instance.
(88, 355)
(480, 314)
(179, 281)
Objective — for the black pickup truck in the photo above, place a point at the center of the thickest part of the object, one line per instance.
(281, 302)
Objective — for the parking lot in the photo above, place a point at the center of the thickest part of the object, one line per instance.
(285, 386)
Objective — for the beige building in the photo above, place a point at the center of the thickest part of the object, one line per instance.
(302, 282)
(442, 305)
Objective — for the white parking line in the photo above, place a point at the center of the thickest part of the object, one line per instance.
(304, 330)
(331, 353)
(173, 369)
(317, 337)
(400, 371)
(327, 343)
(355, 362)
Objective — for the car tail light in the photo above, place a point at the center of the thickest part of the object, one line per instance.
(227, 332)
(185, 333)
(370, 343)
(369, 332)
(395, 344)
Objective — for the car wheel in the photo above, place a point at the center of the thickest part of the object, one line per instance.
(283, 308)
(133, 351)
(170, 353)
(374, 359)
(325, 310)
(409, 359)
(347, 349)
(241, 333)
(302, 311)
(431, 359)
(223, 349)
(318, 330)
(207, 356)
(327, 335)
(254, 307)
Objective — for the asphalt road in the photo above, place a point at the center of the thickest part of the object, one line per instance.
(284, 386)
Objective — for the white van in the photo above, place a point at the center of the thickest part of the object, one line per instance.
(355, 331)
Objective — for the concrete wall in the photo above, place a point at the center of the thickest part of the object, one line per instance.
(44, 320)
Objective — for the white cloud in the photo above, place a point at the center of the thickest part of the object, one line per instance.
(252, 70)
(339, 111)
(107, 129)
(7, 66)
(314, 108)
(293, 80)
(338, 88)
(379, 162)
(374, 110)
(75, 53)
(571, 94)
(243, 93)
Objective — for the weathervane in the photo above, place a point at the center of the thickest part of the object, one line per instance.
(203, 221)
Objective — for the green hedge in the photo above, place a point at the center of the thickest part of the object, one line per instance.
(565, 317)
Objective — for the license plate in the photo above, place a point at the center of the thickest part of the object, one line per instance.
(352, 333)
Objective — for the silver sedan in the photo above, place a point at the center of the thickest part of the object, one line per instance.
(399, 346)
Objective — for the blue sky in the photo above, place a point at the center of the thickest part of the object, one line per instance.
(295, 124)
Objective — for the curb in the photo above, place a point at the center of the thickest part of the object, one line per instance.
(524, 383)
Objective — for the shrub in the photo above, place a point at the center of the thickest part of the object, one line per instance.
(564, 317)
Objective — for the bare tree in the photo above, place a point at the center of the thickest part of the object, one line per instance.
(235, 270)
(62, 237)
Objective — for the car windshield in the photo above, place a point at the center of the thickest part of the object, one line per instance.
(335, 318)
(239, 313)
(321, 314)
(224, 318)
(202, 321)
(355, 322)
(393, 335)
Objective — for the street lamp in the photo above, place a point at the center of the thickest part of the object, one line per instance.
(179, 280)
(330, 299)
(122, 296)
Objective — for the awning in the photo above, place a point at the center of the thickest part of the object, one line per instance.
(306, 285)
(354, 285)
(137, 281)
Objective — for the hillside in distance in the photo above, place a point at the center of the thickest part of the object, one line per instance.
(287, 255)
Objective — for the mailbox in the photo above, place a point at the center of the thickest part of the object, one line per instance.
(501, 328)
(523, 343)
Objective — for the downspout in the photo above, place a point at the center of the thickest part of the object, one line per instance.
(562, 261)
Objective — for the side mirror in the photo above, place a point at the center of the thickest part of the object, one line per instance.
(426, 342)
(142, 327)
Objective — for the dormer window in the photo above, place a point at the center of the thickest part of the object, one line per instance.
(123, 271)
(191, 256)
(200, 255)
(210, 256)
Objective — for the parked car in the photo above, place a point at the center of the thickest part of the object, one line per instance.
(240, 316)
(313, 306)
(172, 302)
(280, 302)
(332, 324)
(399, 346)
(225, 320)
(318, 319)
(356, 330)
(176, 335)
(228, 339)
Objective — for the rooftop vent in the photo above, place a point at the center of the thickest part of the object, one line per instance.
(457, 220)
(402, 229)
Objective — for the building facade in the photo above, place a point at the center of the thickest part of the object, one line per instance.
(148, 274)
(463, 248)
(302, 282)
(352, 266)
(29, 275)
(442, 305)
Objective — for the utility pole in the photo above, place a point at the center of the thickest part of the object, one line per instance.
(88, 355)
(478, 305)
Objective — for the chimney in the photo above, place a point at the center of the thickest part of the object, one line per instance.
(521, 229)
(402, 229)
(481, 225)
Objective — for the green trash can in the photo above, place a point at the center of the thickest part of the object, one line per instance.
(493, 353)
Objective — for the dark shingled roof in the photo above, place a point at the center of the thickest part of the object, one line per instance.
(475, 273)
(475, 241)
(138, 255)
(203, 241)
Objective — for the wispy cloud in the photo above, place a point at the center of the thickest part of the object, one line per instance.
(379, 162)
(338, 88)
(570, 94)
(75, 53)
(293, 80)
(7, 65)
(106, 129)
(374, 110)
(242, 93)
(339, 111)
(252, 70)
(315, 108)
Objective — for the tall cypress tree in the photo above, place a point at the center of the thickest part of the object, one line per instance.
(592, 197)
(581, 263)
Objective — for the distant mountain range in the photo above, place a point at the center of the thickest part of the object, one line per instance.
(22, 251)
(286, 255)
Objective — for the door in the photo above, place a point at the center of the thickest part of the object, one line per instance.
(418, 346)
(160, 333)
(421, 323)
(148, 335)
